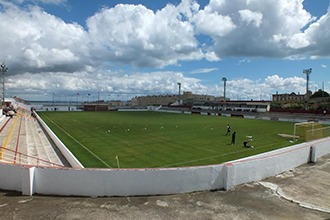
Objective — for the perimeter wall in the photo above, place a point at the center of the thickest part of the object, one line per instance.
(128, 182)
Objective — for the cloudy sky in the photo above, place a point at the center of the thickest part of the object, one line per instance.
(118, 49)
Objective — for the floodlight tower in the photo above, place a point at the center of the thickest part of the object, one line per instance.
(3, 70)
(224, 79)
(53, 99)
(307, 72)
(179, 84)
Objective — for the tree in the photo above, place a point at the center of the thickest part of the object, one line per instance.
(320, 93)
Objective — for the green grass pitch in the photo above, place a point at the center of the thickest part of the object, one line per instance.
(155, 139)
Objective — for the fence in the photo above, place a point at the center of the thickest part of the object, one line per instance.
(15, 157)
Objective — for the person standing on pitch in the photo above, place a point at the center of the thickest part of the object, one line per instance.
(228, 129)
(233, 138)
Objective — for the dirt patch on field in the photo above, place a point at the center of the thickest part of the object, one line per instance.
(288, 136)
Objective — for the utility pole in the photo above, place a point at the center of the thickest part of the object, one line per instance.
(224, 79)
(307, 72)
(323, 91)
(179, 84)
(3, 70)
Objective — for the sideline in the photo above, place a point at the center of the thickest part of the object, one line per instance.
(97, 157)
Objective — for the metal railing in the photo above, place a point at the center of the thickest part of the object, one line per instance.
(14, 157)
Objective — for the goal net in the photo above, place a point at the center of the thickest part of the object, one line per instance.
(308, 130)
(317, 133)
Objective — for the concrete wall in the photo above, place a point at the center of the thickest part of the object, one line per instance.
(124, 182)
(320, 148)
(11, 177)
(56, 108)
(265, 165)
(129, 182)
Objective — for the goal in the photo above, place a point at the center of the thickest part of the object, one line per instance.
(318, 133)
(307, 130)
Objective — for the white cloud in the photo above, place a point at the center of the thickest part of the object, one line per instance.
(35, 41)
(213, 24)
(262, 28)
(51, 1)
(290, 84)
(247, 89)
(298, 41)
(249, 17)
(63, 55)
(211, 56)
(134, 34)
(318, 34)
(204, 70)
(140, 83)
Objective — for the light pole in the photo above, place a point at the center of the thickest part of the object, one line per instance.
(3, 70)
(53, 99)
(179, 84)
(224, 79)
(307, 72)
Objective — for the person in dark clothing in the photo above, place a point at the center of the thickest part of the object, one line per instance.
(233, 138)
(246, 144)
(228, 129)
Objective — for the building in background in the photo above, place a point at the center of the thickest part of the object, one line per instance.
(292, 97)
(187, 98)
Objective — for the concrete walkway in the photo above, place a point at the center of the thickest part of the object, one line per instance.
(299, 194)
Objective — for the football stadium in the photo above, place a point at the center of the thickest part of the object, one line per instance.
(175, 109)
(167, 149)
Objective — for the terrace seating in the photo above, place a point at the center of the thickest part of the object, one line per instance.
(39, 145)
(25, 143)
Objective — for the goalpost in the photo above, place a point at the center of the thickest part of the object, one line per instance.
(307, 130)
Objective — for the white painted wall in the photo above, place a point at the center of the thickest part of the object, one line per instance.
(124, 182)
(320, 148)
(133, 110)
(58, 108)
(267, 164)
(10, 177)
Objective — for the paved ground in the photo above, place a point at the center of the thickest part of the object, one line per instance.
(303, 193)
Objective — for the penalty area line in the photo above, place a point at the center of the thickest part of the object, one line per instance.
(97, 157)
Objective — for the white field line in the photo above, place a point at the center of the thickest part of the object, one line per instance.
(79, 143)
(215, 156)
